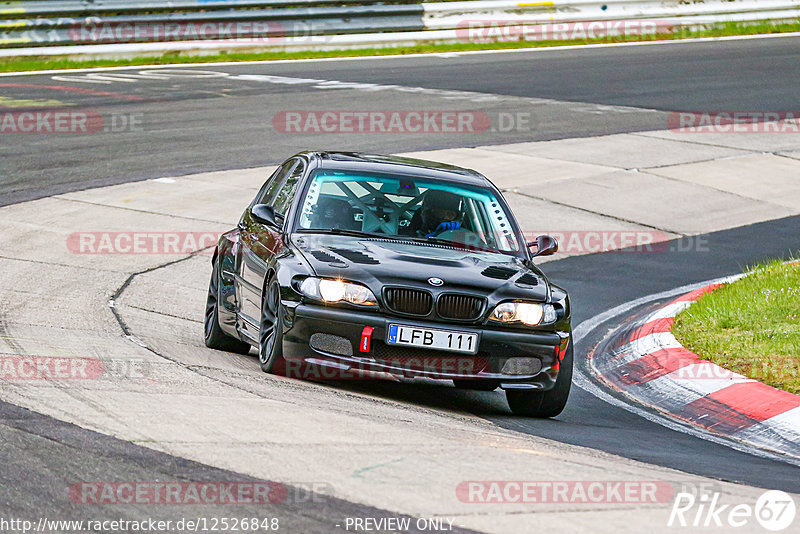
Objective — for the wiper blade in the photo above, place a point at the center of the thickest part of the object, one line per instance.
(337, 231)
(439, 241)
(454, 244)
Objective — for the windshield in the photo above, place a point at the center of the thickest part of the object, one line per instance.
(396, 206)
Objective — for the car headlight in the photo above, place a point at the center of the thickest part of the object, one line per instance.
(331, 291)
(528, 313)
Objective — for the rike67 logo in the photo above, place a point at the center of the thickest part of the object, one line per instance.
(774, 510)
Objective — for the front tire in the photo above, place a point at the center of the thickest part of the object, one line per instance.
(270, 339)
(544, 404)
(215, 337)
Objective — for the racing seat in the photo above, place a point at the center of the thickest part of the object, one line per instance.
(336, 213)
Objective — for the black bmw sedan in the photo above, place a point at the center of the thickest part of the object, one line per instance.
(363, 265)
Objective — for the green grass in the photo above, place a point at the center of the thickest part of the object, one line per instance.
(49, 63)
(751, 326)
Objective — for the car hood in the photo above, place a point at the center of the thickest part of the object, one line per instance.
(377, 262)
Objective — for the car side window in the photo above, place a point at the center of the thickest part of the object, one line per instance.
(284, 196)
(270, 188)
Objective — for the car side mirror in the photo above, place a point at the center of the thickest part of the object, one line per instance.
(264, 214)
(545, 245)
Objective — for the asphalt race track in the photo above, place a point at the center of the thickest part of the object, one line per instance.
(223, 118)
(44, 451)
(214, 123)
(617, 278)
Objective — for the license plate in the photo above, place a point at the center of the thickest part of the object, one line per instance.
(429, 338)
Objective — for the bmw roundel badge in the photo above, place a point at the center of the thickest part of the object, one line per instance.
(435, 281)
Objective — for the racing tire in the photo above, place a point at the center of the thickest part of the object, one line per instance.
(543, 404)
(214, 336)
(270, 337)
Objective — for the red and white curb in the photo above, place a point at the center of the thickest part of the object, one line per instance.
(648, 364)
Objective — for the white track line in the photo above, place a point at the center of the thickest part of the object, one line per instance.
(442, 55)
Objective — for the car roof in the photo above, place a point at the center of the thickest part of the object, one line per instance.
(356, 161)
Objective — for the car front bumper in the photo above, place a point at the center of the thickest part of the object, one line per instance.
(333, 337)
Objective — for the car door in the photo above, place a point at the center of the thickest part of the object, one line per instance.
(247, 295)
(261, 242)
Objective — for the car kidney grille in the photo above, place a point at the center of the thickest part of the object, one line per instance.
(463, 307)
(409, 301)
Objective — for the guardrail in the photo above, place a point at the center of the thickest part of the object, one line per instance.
(206, 25)
(452, 15)
(125, 21)
(95, 7)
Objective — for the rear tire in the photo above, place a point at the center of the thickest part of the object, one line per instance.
(476, 384)
(215, 337)
(270, 345)
(544, 404)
